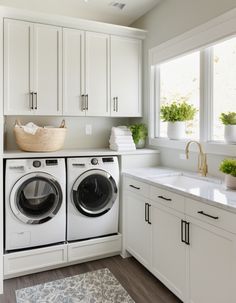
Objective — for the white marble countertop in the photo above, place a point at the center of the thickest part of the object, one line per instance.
(13, 154)
(214, 192)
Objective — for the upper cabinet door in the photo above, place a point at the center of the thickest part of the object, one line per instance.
(125, 77)
(96, 74)
(47, 69)
(73, 72)
(17, 67)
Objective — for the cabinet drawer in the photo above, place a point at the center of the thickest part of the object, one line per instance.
(167, 198)
(136, 186)
(84, 250)
(24, 262)
(212, 215)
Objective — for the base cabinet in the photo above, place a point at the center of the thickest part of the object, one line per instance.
(137, 229)
(212, 264)
(195, 258)
(168, 251)
(40, 259)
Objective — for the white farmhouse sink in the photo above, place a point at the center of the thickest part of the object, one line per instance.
(185, 183)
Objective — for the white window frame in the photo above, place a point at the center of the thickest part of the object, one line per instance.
(200, 39)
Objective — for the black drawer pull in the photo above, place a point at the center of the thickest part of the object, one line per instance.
(164, 198)
(135, 187)
(207, 215)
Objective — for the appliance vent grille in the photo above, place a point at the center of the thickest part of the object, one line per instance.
(119, 5)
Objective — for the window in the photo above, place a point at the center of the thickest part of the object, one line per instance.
(179, 80)
(224, 84)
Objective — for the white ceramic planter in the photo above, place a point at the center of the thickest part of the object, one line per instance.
(230, 133)
(140, 144)
(176, 130)
(230, 182)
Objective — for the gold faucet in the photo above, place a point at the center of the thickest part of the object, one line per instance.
(202, 158)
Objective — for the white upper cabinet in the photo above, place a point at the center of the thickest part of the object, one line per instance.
(96, 74)
(73, 72)
(47, 69)
(84, 74)
(17, 67)
(32, 69)
(125, 77)
(105, 79)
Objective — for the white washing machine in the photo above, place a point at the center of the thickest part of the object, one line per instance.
(35, 203)
(93, 199)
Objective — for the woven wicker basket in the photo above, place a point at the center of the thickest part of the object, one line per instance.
(44, 140)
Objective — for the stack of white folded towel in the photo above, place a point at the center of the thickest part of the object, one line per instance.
(121, 139)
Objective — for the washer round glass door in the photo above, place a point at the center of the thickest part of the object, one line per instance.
(36, 198)
(94, 193)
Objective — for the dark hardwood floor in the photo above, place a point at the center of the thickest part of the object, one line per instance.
(142, 286)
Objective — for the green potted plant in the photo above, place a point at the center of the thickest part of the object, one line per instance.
(139, 133)
(228, 167)
(176, 114)
(229, 121)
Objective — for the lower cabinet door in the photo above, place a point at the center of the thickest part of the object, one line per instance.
(168, 251)
(137, 230)
(212, 264)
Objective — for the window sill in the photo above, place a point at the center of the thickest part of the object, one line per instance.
(210, 147)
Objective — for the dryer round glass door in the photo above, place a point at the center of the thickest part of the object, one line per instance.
(36, 198)
(94, 193)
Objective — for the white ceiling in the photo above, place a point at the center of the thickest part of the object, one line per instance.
(99, 10)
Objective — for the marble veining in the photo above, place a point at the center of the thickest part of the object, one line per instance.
(98, 286)
(211, 190)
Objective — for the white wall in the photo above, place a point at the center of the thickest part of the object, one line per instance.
(76, 137)
(71, 8)
(168, 20)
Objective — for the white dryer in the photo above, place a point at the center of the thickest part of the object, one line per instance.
(35, 206)
(93, 199)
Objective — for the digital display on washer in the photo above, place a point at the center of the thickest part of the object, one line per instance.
(105, 160)
(51, 162)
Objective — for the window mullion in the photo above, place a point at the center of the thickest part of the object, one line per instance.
(157, 101)
(206, 94)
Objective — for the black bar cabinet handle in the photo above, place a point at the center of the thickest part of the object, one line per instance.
(87, 102)
(83, 103)
(146, 212)
(182, 231)
(31, 103)
(164, 198)
(207, 215)
(135, 187)
(149, 222)
(187, 233)
(36, 99)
